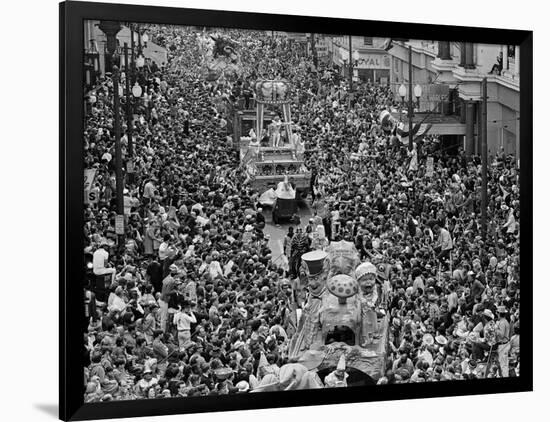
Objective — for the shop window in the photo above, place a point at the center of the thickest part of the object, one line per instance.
(367, 40)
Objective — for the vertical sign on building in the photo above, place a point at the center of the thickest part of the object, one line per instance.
(89, 177)
(119, 224)
(430, 167)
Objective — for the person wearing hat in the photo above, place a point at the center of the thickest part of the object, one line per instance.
(242, 386)
(365, 274)
(183, 319)
(338, 377)
(486, 329)
(145, 383)
(502, 332)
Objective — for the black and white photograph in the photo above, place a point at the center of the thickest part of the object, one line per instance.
(269, 211)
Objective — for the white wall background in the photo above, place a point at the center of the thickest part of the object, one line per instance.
(29, 181)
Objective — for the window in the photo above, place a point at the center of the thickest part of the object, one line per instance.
(367, 40)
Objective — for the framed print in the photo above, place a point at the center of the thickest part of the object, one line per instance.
(268, 210)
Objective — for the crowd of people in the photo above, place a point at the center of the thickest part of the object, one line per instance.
(196, 304)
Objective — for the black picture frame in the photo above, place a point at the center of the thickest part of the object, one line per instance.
(72, 15)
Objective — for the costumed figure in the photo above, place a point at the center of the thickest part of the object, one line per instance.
(319, 239)
(338, 377)
(300, 147)
(366, 277)
(292, 376)
(285, 190)
(221, 57)
(275, 131)
(313, 273)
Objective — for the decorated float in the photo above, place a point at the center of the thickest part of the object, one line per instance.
(343, 316)
(269, 148)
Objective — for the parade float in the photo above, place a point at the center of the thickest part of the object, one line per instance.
(220, 57)
(269, 149)
(343, 315)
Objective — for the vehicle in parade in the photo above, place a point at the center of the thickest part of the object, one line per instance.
(269, 147)
(344, 315)
(284, 209)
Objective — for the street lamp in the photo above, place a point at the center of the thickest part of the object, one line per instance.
(140, 61)
(137, 90)
(418, 93)
(402, 92)
(350, 66)
(410, 108)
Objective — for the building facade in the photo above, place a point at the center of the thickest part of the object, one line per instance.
(96, 61)
(451, 75)
(463, 66)
(370, 62)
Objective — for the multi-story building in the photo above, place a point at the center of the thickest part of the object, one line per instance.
(462, 66)
(95, 49)
(449, 75)
(370, 62)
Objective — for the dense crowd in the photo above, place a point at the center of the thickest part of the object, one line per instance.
(196, 304)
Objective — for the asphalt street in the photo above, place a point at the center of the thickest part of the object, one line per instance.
(277, 232)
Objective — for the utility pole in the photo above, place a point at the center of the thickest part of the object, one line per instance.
(129, 118)
(484, 159)
(128, 102)
(118, 149)
(111, 29)
(410, 109)
(132, 47)
(314, 50)
(350, 67)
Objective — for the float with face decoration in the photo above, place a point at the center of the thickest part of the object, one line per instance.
(338, 315)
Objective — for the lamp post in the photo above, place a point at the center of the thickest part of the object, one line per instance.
(402, 93)
(118, 149)
(350, 67)
(484, 159)
(356, 60)
(418, 94)
(111, 29)
(314, 51)
(129, 125)
(132, 48)
(410, 109)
